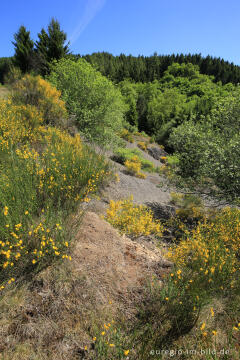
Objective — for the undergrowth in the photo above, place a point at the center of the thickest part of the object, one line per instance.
(121, 155)
(44, 173)
(132, 219)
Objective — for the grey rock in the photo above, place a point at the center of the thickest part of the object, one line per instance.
(156, 152)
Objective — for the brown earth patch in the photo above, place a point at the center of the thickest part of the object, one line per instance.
(115, 265)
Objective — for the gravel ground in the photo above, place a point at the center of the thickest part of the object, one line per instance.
(152, 189)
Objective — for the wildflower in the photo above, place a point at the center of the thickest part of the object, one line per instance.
(212, 312)
(94, 338)
(34, 261)
(103, 333)
(5, 211)
(111, 345)
(212, 269)
(203, 326)
(214, 332)
(26, 212)
(166, 298)
(126, 352)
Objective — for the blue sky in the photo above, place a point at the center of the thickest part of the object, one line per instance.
(131, 26)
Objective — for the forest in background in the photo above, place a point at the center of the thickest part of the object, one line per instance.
(149, 68)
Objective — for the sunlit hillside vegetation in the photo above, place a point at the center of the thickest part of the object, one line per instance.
(44, 173)
(53, 114)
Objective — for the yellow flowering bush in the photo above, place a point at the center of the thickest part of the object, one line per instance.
(109, 342)
(33, 90)
(142, 145)
(190, 207)
(132, 219)
(126, 135)
(211, 250)
(134, 166)
(43, 173)
(18, 123)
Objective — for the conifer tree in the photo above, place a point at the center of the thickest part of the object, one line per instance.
(51, 45)
(41, 52)
(23, 49)
(57, 38)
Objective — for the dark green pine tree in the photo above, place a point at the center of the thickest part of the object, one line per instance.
(41, 51)
(56, 41)
(23, 49)
(51, 46)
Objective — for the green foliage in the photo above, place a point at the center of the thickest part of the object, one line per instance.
(184, 70)
(209, 150)
(167, 106)
(149, 68)
(195, 306)
(50, 46)
(38, 189)
(42, 52)
(180, 95)
(23, 49)
(97, 104)
(5, 66)
(13, 75)
(130, 97)
(121, 155)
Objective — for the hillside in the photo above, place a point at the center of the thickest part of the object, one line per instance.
(61, 311)
(114, 246)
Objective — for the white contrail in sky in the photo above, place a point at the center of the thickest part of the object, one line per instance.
(91, 10)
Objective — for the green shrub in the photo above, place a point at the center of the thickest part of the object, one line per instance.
(97, 104)
(121, 155)
(13, 75)
(209, 157)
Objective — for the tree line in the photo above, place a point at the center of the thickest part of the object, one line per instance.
(150, 68)
(52, 44)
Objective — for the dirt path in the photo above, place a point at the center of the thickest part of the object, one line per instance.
(116, 266)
